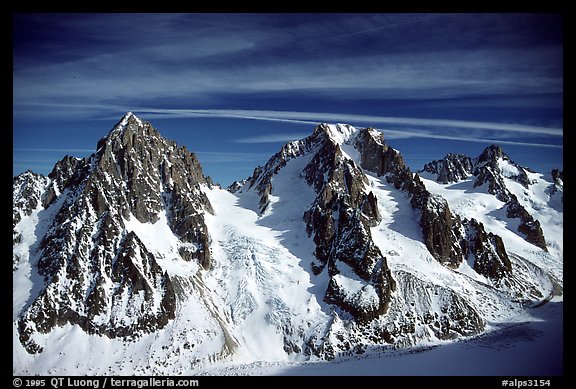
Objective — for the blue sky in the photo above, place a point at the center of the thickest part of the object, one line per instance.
(235, 87)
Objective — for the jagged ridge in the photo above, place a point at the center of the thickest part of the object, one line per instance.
(98, 274)
(491, 168)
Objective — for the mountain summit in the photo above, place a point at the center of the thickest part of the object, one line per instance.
(334, 247)
(97, 272)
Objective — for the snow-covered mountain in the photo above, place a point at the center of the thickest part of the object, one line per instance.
(332, 248)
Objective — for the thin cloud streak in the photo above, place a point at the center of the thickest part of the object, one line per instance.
(272, 138)
(415, 134)
(44, 150)
(307, 117)
(286, 116)
(228, 157)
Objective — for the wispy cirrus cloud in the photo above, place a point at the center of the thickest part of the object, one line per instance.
(316, 117)
(272, 138)
(100, 60)
(392, 134)
(433, 127)
(51, 150)
(119, 77)
(71, 69)
(227, 157)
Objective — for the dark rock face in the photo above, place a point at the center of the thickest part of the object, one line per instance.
(375, 155)
(558, 178)
(439, 227)
(137, 279)
(490, 257)
(338, 221)
(529, 227)
(97, 274)
(236, 186)
(453, 168)
(488, 170)
(67, 173)
(491, 157)
(447, 238)
(491, 168)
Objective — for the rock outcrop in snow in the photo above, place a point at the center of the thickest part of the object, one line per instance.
(488, 251)
(98, 274)
(453, 168)
(338, 221)
(28, 193)
(439, 227)
(492, 168)
(332, 248)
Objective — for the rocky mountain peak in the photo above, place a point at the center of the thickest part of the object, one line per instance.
(338, 133)
(492, 153)
(128, 122)
(348, 251)
(339, 219)
(375, 155)
(492, 169)
(453, 168)
(135, 175)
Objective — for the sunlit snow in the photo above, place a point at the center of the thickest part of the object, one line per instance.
(237, 317)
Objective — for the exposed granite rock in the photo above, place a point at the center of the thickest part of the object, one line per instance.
(453, 168)
(492, 168)
(98, 274)
(439, 227)
(490, 257)
(528, 226)
(489, 170)
(138, 282)
(236, 186)
(375, 155)
(338, 221)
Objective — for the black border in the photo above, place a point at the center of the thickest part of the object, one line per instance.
(452, 7)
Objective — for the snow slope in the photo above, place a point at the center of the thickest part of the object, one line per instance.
(531, 346)
(467, 202)
(259, 266)
(244, 307)
(260, 304)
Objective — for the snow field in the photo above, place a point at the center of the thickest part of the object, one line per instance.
(260, 298)
(259, 267)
